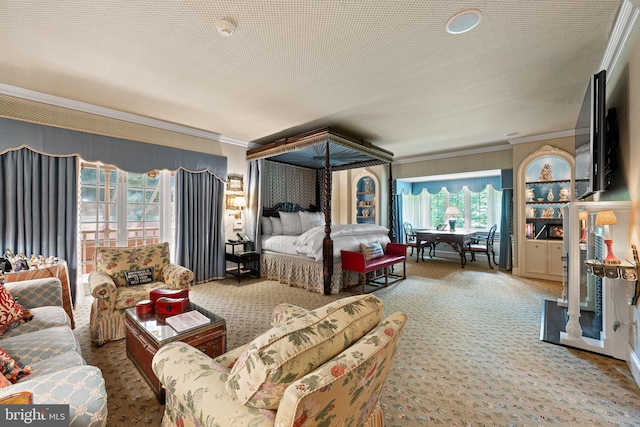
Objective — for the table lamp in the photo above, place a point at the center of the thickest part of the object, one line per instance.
(607, 218)
(583, 215)
(452, 212)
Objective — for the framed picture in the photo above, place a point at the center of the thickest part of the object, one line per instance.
(235, 183)
(555, 232)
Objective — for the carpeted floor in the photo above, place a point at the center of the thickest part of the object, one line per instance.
(470, 355)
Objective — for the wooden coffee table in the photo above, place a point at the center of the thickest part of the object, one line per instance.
(146, 333)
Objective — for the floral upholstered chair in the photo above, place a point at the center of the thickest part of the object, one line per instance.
(323, 367)
(123, 276)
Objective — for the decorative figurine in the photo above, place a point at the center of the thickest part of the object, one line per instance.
(550, 196)
(365, 212)
(367, 185)
(546, 174)
(532, 212)
(548, 212)
(564, 194)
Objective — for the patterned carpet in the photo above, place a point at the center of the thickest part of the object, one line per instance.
(470, 355)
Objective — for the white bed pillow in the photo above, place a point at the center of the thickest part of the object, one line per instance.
(267, 228)
(276, 226)
(308, 220)
(291, 225)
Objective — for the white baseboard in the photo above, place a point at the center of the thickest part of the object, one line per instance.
(634, 364)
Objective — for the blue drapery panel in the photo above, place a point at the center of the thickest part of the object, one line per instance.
(255, 188)
(128, 155)
(199, 221)
(506, 230)
(39, 206)
(455, 185)
(398, 230)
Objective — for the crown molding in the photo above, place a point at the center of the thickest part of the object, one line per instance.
(84, 107)
(625, 22)
(542, 137)
(470, 152)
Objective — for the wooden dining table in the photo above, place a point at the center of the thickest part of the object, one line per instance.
(458, 239)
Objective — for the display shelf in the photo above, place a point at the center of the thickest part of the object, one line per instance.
(366, 192)
(544, 186)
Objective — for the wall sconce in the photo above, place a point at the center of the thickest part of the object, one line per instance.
(239, 202)
(607, 218)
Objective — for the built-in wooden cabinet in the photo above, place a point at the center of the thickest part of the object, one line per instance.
(545, 185)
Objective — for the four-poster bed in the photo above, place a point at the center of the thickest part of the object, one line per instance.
(325, 151)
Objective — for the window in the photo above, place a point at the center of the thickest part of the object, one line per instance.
(123, 209)
(479, 211)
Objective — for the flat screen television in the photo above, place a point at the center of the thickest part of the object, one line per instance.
(590, 139)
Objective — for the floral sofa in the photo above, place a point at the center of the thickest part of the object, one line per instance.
(42, 355)
(114, 289)
(312, 368)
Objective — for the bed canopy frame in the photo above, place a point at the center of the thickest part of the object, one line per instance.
(330, 150)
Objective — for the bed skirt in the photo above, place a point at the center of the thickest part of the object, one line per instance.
(301, 272)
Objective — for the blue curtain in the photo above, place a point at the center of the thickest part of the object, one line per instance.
(255, 177)
(398, 229)
(39, 206)
(505, 230)
(199, 221)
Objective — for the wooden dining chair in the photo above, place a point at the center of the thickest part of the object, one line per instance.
(484, 244)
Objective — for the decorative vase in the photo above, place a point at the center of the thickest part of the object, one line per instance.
(530, 194)
(550, 195)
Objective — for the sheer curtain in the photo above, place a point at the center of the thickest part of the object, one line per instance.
(39, 209)
(200, 245)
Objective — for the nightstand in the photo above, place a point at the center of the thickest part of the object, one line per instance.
(246, 258)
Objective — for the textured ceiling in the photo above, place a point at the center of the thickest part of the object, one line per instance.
(386, 71)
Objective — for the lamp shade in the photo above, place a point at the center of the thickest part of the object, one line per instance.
(606, 218)
(583, 215)
(452, 211)
(239, 202)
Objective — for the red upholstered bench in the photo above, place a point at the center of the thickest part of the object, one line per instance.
(356, 262)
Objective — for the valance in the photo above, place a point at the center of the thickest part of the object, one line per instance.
(476, 185)
(128, 155)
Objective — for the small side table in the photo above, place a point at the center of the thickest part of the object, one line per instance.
(246, 258)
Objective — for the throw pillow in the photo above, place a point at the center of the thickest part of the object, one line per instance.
(308, 220)
(291, 350)
(11, 313)
(371, 250)
(276, 224)
(267, 228)
(4, 382)
(11, 369)
(291, 225)
(139, 277)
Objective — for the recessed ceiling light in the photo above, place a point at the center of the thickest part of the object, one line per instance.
(463, 21)
(225, 28)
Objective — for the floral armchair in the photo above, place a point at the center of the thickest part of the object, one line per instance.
(114, 290)
(312, 368)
